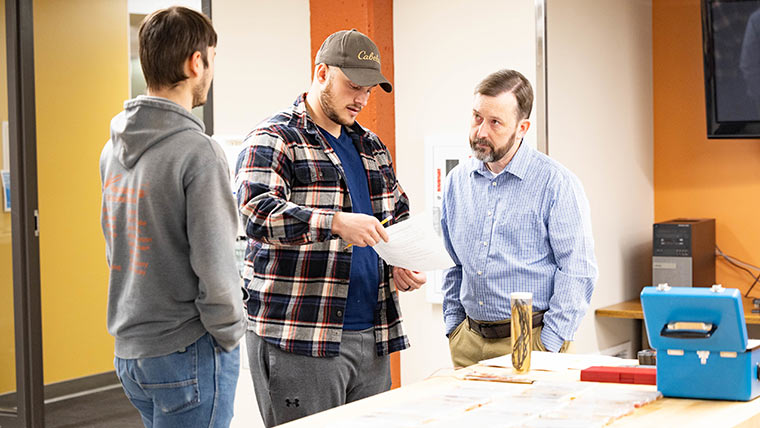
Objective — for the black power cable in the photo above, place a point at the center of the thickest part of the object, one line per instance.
(730, 259)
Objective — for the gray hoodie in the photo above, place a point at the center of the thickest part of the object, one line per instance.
(169, 222)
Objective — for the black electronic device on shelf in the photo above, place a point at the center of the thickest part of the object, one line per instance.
(683, 252)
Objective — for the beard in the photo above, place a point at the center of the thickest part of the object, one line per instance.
(491, 154)
(200, 91)
(327, 102)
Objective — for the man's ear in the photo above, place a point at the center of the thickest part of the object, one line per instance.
(321, 72)
(522, 128)
(194, 65)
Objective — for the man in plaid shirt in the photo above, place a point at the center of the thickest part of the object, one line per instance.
(313, 189)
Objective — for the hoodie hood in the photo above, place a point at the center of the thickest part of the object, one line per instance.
(145, 122)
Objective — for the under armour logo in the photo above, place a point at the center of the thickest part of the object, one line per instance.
(293, 403)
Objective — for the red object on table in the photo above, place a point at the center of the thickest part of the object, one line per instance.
(642, 375)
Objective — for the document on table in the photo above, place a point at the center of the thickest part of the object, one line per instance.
(549, 361)
(413, 244)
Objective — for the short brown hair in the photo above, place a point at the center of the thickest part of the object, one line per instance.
(167, 38)
(509, 81)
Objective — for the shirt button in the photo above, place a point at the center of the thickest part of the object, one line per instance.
(480, 303)
(480, 272)
(485, 243)
(489, 213)
(339, 313)
(493, 183)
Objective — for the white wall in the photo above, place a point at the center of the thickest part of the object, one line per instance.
(145, 7)
(263, 60)
(441, 51)
(600, 126)
(262, 64)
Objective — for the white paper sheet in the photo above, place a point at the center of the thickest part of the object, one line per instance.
(414, 245)
(554, 362)
(474, 404)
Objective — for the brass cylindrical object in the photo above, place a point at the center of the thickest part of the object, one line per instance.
(522, 330)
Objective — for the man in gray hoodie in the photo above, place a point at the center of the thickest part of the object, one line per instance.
(169, 220)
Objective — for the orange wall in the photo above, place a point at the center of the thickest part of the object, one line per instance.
(694, 176)
(375, 19)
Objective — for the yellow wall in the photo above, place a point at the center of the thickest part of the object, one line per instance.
(7, 347)
(81, 64)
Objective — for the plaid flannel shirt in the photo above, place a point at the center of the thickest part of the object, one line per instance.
(290, 183)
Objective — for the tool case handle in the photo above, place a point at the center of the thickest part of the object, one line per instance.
(688, 330)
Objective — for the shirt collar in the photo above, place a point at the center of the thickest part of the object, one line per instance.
(518, 166)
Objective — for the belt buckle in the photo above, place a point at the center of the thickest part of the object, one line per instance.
(493, 330)
(474, 325)
(486, 330)
(478, 327)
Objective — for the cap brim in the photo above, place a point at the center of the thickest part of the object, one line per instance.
(367, 77)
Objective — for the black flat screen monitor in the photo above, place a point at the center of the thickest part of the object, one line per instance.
(731, 41)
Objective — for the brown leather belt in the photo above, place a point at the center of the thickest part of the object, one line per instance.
(500, 330)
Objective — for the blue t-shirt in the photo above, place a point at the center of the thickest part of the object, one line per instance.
(364, 279)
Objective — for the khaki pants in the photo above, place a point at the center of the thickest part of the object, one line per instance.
(468, 347)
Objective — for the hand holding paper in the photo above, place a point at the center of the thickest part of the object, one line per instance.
(414, 245)
(382, 222)
(358, 229)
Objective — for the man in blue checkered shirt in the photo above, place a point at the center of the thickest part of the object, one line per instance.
(513, 220)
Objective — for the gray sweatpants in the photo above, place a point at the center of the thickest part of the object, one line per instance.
(290, 386)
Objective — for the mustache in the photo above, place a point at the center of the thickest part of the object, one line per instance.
(484, 141)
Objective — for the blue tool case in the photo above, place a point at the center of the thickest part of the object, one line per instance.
(701, 340)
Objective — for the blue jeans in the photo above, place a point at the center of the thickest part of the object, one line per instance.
(194, 387)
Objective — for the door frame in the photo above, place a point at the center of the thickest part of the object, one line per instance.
(24, 217)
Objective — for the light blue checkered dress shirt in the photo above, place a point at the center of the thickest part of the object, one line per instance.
(527, 228)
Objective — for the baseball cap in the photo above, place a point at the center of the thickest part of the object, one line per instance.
(356, 55)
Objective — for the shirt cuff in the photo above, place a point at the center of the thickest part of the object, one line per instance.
(552, 342)
(452, 321)
(320, 224)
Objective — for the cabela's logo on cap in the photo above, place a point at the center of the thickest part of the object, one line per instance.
(364, 56)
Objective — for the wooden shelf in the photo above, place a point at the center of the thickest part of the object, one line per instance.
(631, 309)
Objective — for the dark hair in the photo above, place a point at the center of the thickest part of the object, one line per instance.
(168, 37)
(509, 81)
